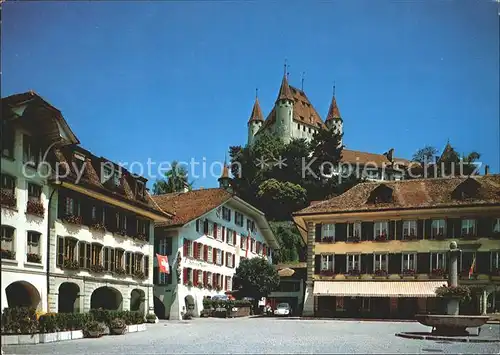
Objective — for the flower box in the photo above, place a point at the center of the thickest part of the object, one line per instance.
(98, 227)
(119, 271)
(61, 336)
(77, 334)
(132, 328)
(7, 198)
(327, 240)
(33, 258)
(8, 254)
(457, 292)
(97, 268)
(380, 273)
(142, 237)
(35, 208)
(70, 264)
(48, 337)
(141, 327)
(381, 238)
(72, 219)
(410, 237)
(139, 275)
(326, 273)
(353, 239)
(437, 273)
(408, 273)
(470, 236)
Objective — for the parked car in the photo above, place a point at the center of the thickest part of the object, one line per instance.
(283, 309)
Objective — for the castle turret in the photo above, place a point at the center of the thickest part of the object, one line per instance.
(284, 111)
(255, 122)
(333, 119)
(225, 180)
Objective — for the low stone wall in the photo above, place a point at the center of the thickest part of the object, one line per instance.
(241, 312)
(24, 339)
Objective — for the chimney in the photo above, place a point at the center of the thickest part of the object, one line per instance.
(486, 170)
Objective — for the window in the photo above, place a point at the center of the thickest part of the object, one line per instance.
(250, 225)
(143, 227)
(8, 188)
(96, 254)
(107, 258)
(110, 175)
(438, 261)
(409, 262)
(199, 278)
(209, 278)
(121, 222)
(7, 238)
(33, 243)
(238, 219)
(496, 225)
(119, 253)
(380, 229)
(354, 230)
(34, 192)
(8, 135)
(327, 263)
(468, 227)
(438, 228)
(219, 257)
(138, 262)
(229, 283)
(495, 260)
(210, 229)
(188, 248)
(380, 262)
(252, 247)
(72, 206)
(84, 254)
(164, 246)
(79, 160)
(226, 214)
(128, 262)
(217, 232)
(229, 260)
(210, 257)
(66, 250)
(243, 242)
(328, 231)
(139, 189)
(353, 262)
(31, 152)
(409, 229)
(229, 237)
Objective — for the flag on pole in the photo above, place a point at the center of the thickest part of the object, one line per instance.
(471, 270)
(163, 263)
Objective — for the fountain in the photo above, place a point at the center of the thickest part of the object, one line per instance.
(452, 324)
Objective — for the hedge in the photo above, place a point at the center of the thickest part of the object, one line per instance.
(208, 303)
(23, 320)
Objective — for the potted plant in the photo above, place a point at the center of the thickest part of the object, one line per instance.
(97, 268)
(117, 326)
(72, 219)
(208, 286)
(151, 318)
(122, 232)
(7, 198)
(437, 273)
(458, 292)
(326, 273)
(353, 239)
(381, 238)
(141, 236)
(327, 240)
(119, 271)
(408, 272)
(98, 227)
(35, 208)
(139, 275)
(94, 329)
(218, 288)
(33, 258)
(200, 285)
(8, 254)
(380, 273)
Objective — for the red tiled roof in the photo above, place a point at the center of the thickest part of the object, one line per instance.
(333, 111)
(356, 156)
(285, 92)
(256, 112)
(418, 193)
(190, 205)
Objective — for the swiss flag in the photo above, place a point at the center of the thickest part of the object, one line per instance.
(163, 263)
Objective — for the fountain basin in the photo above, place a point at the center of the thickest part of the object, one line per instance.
(451, 324)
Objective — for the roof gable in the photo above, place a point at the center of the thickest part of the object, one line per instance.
(381, 194)
(467, 189)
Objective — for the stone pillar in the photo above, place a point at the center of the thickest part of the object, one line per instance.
(453, 306)
(308, 310)
(484, 303)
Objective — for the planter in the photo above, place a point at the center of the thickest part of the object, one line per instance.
(61, 336)
(48, 338)
(132, 328)
(29, 339)
(352, 277)
(76, 334)
(94, 334)
(408, 277)
(141, 327)
(10, 339)
(380, 277)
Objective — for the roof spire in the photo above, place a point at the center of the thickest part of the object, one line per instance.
(333, 111)
(334, 88)
(285, 93)
(256, 114)
(256, 93)
(302, 81)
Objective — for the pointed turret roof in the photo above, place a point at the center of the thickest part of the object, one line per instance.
(285, 92)
(225, 172)
(333, 111)
(256, 112)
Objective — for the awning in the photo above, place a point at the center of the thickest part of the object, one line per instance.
(377, 288)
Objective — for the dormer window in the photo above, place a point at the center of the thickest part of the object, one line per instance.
(31, 151)
(140, 189)
(110, 175)
(381, 194)
(79, 160)
(468, 189)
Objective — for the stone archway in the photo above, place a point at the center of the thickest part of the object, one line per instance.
(106, 298)
(137, 300)
(159, 308)
(23, 294)
(68, 299)
(493, 302)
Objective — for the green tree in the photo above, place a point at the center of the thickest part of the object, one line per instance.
(425, 155)
(282, 198)
(175, 180)
(291, 245)
(255, 278)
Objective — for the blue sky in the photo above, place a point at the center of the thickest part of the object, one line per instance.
(176, 80)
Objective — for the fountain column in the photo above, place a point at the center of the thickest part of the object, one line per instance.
(453, 306)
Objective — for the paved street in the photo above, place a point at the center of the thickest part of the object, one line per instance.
(263, 335)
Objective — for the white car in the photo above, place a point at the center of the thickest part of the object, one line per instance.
(283, 309)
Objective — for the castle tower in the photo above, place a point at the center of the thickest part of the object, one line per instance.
(255, 122)
(225, 180)
(284, 111)
(333, 119)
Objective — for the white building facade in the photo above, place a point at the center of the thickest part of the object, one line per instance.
(205, 250)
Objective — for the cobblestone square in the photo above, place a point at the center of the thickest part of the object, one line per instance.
(264, 336)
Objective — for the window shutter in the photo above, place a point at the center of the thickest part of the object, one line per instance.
(427, 228)
(340, 263)
(392, 226)
(205, 227)
(225, 283)
(205, 255)
(216, 234)
(185, 272)
(185, 249)
(195, 277)
(484, 227)
(146, 266)
(394, 263)
(264, 251)
(198, 225)
(399, 230)
(214, 280)
(222, 258)
(318, 232)
(234, 237)
(420, 229)
(214, 255)
(234, 260)
(60, 251)
(156, 275)
(223, 232)
(366, 263)
(483, 262)
(112, 260)
(317, 264)
(423, 263)
(204, 277)
(195, 250)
